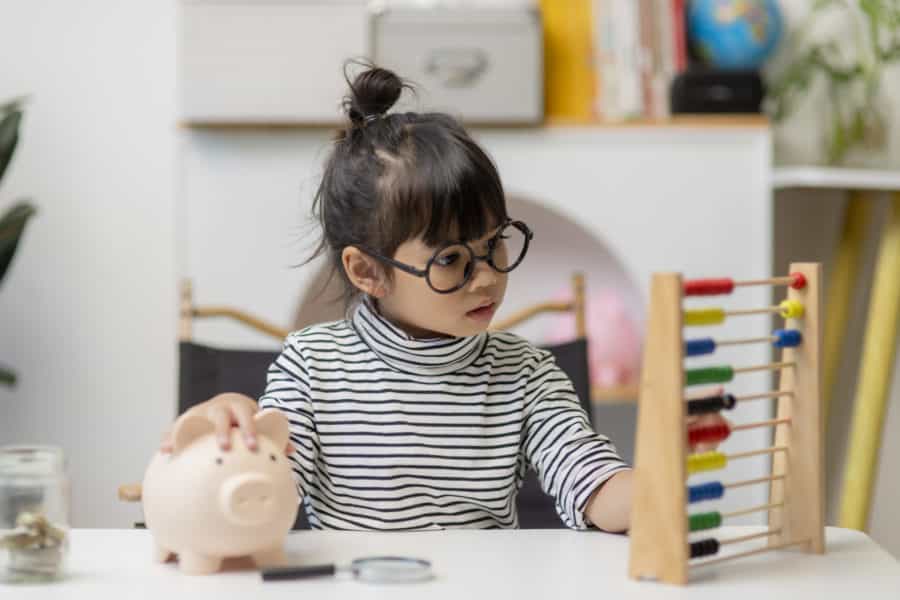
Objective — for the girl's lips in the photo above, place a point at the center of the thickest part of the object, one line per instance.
(483, 313)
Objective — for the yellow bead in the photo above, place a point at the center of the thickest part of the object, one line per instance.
(791, 309)
(704, 316)
(706, 461)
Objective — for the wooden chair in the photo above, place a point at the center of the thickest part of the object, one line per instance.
(205, 371)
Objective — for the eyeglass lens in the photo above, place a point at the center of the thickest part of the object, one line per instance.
(452, 265)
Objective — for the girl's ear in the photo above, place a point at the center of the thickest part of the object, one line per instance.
(364, 272)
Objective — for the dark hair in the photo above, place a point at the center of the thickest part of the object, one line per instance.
(393, 177)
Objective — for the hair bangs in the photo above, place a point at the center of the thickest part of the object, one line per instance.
(450, 191)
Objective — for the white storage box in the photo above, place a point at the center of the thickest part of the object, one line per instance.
(267, 61)
(484, 65)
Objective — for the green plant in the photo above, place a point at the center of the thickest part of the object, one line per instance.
(12, 223)
(852, 67)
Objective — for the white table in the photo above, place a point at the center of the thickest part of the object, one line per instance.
(107, 564)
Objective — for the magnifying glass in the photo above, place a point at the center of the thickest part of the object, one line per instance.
(373, 569)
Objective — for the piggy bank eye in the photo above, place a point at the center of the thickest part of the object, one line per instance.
(219, 460)
(272, 456)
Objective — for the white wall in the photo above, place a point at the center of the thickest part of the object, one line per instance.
(87, 312)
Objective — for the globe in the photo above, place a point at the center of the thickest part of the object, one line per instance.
(734, 34)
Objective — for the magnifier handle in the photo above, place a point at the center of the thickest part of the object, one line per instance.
(287, 573)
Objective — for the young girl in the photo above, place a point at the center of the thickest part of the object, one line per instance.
(409, 415)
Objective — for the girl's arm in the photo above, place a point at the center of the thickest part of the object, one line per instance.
(609, 507)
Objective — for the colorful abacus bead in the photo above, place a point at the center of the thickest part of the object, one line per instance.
(704, 375)
(699, 347)
(711, 404)
(787, 338)
(708, 433)
(701, 521)
(704, 548)
(706, 461)
(791, 309)
(704, 316)
(708, 287)
(712, 490)
(798, 281)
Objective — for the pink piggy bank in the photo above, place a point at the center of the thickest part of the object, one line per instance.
(205, 505)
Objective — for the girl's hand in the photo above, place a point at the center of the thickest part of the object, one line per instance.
(226, 411)
(706, 420)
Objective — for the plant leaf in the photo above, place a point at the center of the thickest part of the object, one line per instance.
(12, 224)
(9, 134)
(7, 377)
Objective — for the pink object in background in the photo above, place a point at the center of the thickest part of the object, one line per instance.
(205, 504)
(614, 339)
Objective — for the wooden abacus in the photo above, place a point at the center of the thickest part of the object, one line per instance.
(660, 524)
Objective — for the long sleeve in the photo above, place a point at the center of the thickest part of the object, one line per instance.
(287, 389)
(570, 458)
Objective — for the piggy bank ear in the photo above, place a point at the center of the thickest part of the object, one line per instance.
(272, 424)
(188, 428)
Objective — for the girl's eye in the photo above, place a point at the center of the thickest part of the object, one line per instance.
(496, 241)
(445, 260)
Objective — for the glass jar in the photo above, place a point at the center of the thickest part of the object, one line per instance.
(34, 513)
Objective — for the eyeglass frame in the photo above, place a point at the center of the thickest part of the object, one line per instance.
(487, 258)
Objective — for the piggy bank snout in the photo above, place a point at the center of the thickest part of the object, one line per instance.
(248, 499)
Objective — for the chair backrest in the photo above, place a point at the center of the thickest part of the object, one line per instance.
(205, 371)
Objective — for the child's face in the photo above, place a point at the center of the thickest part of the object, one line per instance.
(420, 311)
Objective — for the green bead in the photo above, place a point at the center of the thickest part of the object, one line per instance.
(702, 521)
(709, 375)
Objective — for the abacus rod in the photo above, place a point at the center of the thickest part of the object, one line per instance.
(747, 511)
(768, 367)
(771, 281)
(700, 396)
(771, 450)
(753, 481)
(764, 395)
(768, 423)
(752, 536)
(752, 311)
(759, 340)
(747, 553)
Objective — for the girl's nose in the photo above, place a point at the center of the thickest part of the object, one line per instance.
(484, 276)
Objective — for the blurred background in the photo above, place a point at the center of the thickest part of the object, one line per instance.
(146, 144)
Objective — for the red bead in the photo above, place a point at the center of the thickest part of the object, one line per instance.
(799, 281)
(708, 433)
(708, 287)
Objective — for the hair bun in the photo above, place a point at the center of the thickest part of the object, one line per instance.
(372, 93)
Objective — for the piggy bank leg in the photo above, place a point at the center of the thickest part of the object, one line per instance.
(192, 563)
(272, 557)
(161, 554)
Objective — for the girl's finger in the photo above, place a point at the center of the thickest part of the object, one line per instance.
(243, 416)
(289, 449)
(221, 419)
(703, 393)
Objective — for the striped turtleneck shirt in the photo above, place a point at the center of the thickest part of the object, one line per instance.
(397, 433)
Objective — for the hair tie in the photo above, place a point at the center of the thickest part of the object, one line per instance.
(373, 117)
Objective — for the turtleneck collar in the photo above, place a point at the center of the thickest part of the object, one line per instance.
(434, 356)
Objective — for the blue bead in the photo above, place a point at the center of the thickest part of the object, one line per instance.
(699, 346)
(787, 338)
(705, 491)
